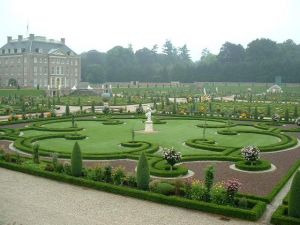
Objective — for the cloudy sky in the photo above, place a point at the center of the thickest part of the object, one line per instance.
(103, 24)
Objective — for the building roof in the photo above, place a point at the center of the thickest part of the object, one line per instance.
(36, 44)
(274, 88)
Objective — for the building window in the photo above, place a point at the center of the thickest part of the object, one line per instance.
(52, 70)
(62, 70)
(15, 50)
(3, 51)
(57, 70)
(35, 60)
(37, 50)
(76, 62)
(23, 50)
(45, 60)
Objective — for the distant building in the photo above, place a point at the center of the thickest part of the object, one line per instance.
(274, 89)
(37, 61)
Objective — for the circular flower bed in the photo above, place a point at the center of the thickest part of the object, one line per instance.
(75, 136)
(258, 165)
(227, 132)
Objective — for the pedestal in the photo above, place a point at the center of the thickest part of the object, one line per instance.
(149, 126)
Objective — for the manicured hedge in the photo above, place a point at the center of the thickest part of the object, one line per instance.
(252, 214)
(75, 136)
(280, 217)
(160, 168)
(259, 166)
(227, 132)
(200, 144)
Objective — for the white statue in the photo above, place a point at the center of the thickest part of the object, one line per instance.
(148, 114)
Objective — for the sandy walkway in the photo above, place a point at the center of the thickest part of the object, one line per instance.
(30, 200)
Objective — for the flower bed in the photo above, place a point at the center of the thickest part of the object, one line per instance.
(253, 212)
(259, 165)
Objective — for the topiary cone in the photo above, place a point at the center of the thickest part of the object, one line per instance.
(76, 161)
(142, 173)
(294, 198)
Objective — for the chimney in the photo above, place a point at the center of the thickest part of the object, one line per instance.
(63, 40)
(9, 38)
(31, 36)
(20, 37)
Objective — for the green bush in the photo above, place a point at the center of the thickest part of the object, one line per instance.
(36, 153)
(76, 161)
(74, 136)
(164, 188)
(142, 173)
(119, 176)
(280, 217)
(294, 198)
(259, 165)
(107, 174)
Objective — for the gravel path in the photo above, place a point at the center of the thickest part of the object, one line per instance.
(30, 200)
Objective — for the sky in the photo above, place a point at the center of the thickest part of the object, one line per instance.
(103, 24)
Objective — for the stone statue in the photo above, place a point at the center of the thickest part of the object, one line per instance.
(148, 114)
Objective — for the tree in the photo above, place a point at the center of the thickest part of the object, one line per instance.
(209, 181)
(76, 161)
(294, 197)
(36, 158)
(142, 173)
(171, 156)
(286, 115)
(231, 53)
(93, 107)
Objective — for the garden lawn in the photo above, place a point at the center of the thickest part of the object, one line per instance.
(107, 138)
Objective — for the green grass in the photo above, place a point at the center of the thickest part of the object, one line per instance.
(106, 138)
(22, 92)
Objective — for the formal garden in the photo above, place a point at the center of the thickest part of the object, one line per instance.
(228, 158)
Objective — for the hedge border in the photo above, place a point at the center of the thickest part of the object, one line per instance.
(252, 215)
(265, 165)
(280, 217)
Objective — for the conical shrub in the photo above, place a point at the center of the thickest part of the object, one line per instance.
(294, 198)
(76, 161)
(142, 174)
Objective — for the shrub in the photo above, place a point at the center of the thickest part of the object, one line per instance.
(259, 165)
(67, 169)
(294, 198)
(251, 153)
(76, 161)
(198, 190)
(142, 173)
(107, 174)
(164, 188)
(36, 153)
(119, 176)
(49, 167)
(218, 194)
(54, 160)
(232, 189)
(209, 181)
(130, 180)
(171, 156)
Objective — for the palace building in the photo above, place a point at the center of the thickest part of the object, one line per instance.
(39, 62)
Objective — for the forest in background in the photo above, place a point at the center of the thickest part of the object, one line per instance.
(261, 61)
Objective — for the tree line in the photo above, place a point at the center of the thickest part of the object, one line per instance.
(261, 61)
